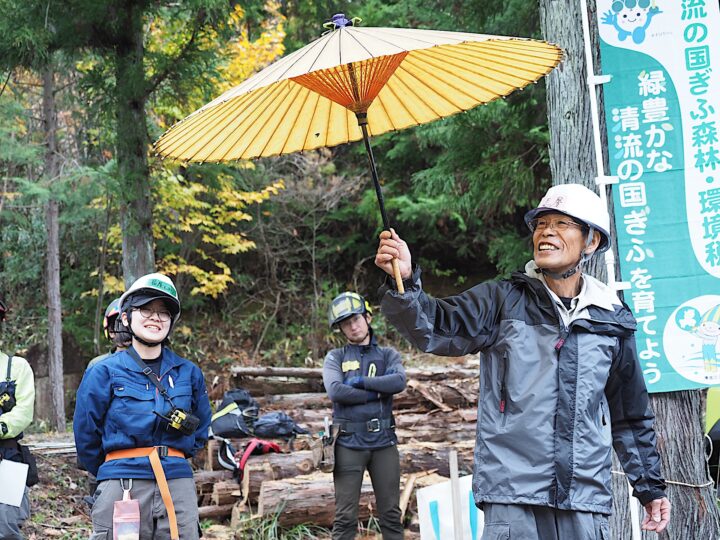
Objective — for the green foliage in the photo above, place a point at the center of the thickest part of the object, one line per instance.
(510, 251)
(268, 529)
(457, 186)
(306, 17)
(255, 271)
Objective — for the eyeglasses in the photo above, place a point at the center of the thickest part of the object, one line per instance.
(163, 316)
(541, 223)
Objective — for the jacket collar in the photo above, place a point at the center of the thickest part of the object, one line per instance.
(597, 307)
(169, 361)
(592, 291)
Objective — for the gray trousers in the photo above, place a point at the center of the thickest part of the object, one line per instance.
(384, 468)
(12, 517)
(525, 522)
(154, 524)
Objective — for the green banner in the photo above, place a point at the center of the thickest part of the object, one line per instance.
(662, 110)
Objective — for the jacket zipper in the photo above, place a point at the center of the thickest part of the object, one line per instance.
(362, 373)
(503, 390)
(564, 333)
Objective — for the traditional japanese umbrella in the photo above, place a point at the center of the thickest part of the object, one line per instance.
(354, 82)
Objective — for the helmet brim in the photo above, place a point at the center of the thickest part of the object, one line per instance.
(140, 298)
(345, 317)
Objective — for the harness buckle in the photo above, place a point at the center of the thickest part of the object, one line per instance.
(162, 451)
(373, 425)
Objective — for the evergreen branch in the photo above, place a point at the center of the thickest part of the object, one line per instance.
(165, 73)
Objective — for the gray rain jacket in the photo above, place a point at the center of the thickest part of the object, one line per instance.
(554, 397)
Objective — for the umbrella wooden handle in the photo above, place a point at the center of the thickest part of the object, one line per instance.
(398, 277)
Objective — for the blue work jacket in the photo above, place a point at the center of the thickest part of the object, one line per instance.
(115, 410)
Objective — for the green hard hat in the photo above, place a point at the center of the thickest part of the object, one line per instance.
(152, 287)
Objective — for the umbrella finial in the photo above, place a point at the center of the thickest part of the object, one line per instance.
(340, 21)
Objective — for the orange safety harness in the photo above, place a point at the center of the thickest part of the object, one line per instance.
(154, 453)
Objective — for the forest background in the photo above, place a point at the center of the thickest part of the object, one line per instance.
(257, 249)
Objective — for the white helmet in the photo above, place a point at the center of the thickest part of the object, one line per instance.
(579, 202)
(148, 288)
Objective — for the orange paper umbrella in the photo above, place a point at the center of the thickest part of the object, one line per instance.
(354, 82)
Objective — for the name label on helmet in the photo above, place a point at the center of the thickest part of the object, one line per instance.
(158, 284)
(350, 365)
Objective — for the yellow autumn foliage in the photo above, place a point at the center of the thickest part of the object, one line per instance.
(188, 213)
(195, 225)
(246, 57)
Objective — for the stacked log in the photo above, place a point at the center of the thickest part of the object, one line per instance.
(308, 499)
(436, 413)
(443, 395)
(261, 380)
(414, 457)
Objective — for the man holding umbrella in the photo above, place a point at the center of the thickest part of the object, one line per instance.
(560, 382)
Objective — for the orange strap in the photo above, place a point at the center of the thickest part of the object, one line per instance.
(152, 453)
(165, 493)
(142, 452)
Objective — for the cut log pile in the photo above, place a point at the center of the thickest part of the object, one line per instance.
(435, 414)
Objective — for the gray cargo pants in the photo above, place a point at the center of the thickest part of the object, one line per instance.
(384, 468)
(154, 524)
(12, 518)
(525, 522)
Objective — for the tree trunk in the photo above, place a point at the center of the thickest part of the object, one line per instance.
(215, 512)
(572, 159)
(431, 373)
(444, 395)
(572, 156)
(681, 444)
(308, 499)
(132, 147)
(225, 492)
(261, 469)
(52, 278)
(414, 457)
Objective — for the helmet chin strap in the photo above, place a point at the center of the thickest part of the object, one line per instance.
(584, 257)
(146, 343)
(141, 340)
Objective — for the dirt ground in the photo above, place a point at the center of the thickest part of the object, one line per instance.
(59, 512)
(56, 503)
(57, 506)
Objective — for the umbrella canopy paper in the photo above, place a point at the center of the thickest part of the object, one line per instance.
(354, 82)
(403, 77)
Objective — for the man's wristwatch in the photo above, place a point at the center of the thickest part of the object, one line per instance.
(4, 428)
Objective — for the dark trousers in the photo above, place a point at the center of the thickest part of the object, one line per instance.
(384, 468)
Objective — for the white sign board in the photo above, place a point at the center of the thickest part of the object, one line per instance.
(436, 512)
(12, 478)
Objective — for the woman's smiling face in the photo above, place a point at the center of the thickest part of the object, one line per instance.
(151, 322)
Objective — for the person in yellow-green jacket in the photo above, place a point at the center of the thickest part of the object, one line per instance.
(17, 401)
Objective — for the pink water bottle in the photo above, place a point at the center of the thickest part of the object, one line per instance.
(126, 516)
